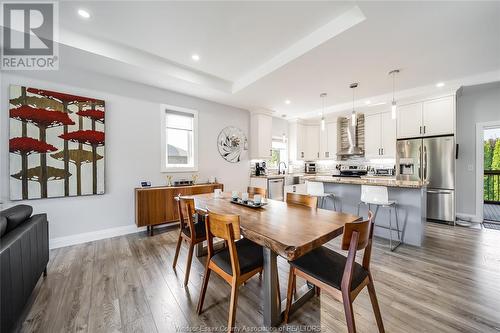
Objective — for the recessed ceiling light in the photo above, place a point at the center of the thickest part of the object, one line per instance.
(195, 57)
(368, 102)
(288, 101)
(83, 13)
(440, 84)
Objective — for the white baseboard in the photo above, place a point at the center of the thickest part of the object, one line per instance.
(58, 242)
(469, 217)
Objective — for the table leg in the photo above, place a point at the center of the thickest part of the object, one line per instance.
(272, 305)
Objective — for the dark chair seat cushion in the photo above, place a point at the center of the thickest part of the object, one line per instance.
(250, 257)
(15, 216)
(199, 229)
(328, 266)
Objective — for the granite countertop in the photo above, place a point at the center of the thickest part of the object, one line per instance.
(389, 182)
(268, 176)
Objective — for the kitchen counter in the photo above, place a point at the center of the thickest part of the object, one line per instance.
(268, 176)
(378, 181)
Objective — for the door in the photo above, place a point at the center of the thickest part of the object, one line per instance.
(373, 131)
(409, 121)
(439, 162)
(439, 116)
(388, 135)
(408, 159)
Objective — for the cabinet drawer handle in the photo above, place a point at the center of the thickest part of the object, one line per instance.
(424, 129)
(420, 130)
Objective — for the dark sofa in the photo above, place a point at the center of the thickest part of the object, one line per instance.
(24, 254)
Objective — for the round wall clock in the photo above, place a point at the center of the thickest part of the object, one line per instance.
(231, 143)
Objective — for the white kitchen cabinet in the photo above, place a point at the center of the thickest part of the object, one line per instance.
(260, 135)
(258, 182)
(373, 131)
(311, 147)
(439, 116)
(426, 118)
(380, 135)
(296, 138)
(409, 120)
(328, 142)
(388, 138)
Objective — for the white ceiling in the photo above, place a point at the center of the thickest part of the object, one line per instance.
(258, 54)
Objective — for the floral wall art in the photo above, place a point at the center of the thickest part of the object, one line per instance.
(56, 144)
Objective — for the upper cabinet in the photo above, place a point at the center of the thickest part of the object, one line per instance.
(328, 142)
(311, 147)
(261, 126)
(304, 141)
(380, 135)
(427, 118)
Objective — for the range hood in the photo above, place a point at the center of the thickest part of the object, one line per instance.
(352, 138)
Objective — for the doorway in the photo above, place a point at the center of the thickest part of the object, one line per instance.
(491, 175)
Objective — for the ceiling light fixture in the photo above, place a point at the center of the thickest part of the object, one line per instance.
(288, 102)
(393, 106)
(353, 113)
(440, 84)
(83, 13)
(195, 57)
(323, 97)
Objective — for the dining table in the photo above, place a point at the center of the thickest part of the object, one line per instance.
(282, 229)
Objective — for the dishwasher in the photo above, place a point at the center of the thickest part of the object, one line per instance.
(275, 188)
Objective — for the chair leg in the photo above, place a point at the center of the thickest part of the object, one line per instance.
(359, 204)
(390, 229)
(376, 309)
(45, 272)
(188, 266)
(177, 249)
(232, 306)
(349, 313)
(397, 222)
(203, 289)
(289, 294)
(278, 286)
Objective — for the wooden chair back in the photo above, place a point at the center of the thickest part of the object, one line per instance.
(226, 227)
(363, 229)
(357, 236)
(186, 210)
(256, 190)
(302, 199)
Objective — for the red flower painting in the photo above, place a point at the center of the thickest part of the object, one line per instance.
(44, 121)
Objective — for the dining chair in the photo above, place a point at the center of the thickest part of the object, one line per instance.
(302, 199)
(236, 263)
(193, 233)
(256, 190)
(340, 276)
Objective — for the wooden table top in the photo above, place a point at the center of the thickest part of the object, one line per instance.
(289, 230)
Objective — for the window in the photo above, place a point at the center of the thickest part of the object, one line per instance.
(179, 139)
(279, 153)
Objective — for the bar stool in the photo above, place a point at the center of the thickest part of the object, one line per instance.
(317, 189)
(379, 197)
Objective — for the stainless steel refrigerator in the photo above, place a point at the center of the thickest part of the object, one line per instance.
(433, 160)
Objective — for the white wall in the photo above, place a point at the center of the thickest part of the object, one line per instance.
(476, 104)
(132, 147)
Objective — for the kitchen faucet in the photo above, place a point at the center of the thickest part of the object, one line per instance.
(279, 168)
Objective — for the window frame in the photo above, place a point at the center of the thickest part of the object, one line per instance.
(165, 167)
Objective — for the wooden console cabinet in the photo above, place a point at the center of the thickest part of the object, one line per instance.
(156, 205)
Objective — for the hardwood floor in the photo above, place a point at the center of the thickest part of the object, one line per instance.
(127, 284)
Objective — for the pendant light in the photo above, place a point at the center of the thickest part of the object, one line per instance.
(393, 104)
(353, 113)
(323, 97)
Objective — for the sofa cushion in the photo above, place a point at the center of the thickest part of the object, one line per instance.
(3, 225)
(16, 215)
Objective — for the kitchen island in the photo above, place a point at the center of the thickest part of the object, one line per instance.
(411, 198)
